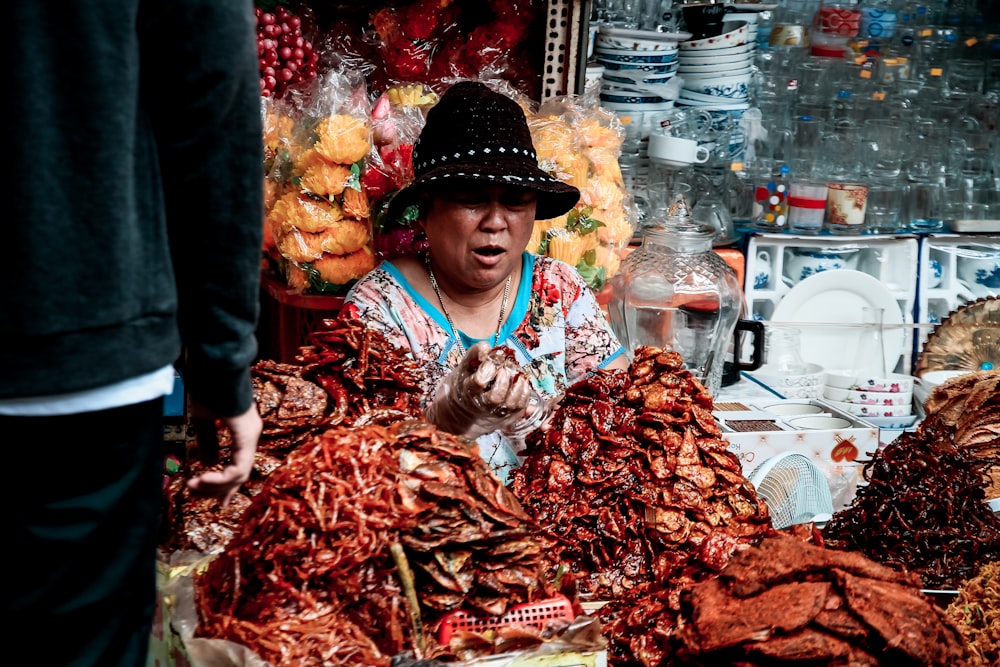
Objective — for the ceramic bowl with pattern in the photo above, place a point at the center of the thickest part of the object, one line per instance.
(862, 397)
(629, 77)
(731, 67)
(734, 33)
(892, 423)
(808, 391)
(724, 87)
(627, 97)
(711, 72)
(862, 410)
(628, 56)
(848, 379)
(651, 68)
(609, 37)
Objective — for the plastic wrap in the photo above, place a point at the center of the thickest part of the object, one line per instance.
(398, 116)
(580, 145)
(318, 227)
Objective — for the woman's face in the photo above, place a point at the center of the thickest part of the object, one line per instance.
(477, 233)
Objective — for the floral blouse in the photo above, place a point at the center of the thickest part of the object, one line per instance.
(556, 328)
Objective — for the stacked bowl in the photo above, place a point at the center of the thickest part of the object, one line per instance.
(884, 401)
(716, 71)
(928, 380)
(638, 66)
(807, 384)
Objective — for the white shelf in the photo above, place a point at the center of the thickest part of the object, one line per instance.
(893, 260)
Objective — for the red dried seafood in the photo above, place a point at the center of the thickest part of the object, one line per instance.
(350, 375)
(635, 480)
(784, 601)
(923, 509)
(310, 578)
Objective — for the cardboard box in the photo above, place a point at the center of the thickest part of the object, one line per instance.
(840, 452)
(892, 259)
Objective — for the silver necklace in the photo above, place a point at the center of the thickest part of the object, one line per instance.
(447, 315)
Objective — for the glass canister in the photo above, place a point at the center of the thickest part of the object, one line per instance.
(674, 292)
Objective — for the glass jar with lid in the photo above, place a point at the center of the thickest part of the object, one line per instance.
(674, 292)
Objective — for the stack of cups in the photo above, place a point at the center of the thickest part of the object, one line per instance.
(806, 206)
(846, 205)
(878, 21)
(885, 202)
(833, 25)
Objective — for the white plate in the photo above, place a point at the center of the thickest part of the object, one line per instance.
(837, 297)
(645, 34)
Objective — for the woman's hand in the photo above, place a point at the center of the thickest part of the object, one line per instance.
(485, 393)
(496, 383)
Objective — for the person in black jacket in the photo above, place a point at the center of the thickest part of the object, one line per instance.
(133, 238)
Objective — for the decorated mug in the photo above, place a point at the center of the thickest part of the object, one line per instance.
(762, 270)
(800, 263)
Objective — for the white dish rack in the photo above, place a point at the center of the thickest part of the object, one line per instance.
(935, 303)
(893, 260)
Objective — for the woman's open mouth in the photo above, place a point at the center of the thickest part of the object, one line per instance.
(489, 251)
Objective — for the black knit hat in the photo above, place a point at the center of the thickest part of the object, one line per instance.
(475, 134)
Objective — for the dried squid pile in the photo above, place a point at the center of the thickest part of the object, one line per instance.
(922, 510)
(637, 483)
(785, 602)
(350, 375)
(970, 404)
(311, 577)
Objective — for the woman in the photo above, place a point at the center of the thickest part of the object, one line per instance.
(478, 189)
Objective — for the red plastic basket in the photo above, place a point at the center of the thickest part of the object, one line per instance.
(535, 614)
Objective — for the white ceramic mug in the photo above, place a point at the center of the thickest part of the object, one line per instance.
(762, 269)
(935, 273)
(800, 263)
(677, 151)
(979, 271)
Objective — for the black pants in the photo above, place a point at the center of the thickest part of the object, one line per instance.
(82, 502)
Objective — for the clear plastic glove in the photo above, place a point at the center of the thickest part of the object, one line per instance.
(536, 416)
(487, 392)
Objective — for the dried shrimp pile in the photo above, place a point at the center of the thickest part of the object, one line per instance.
(922, 510)
(976, 612)
(637, 483)
(350, 375)
(785, 602)
(311, 577)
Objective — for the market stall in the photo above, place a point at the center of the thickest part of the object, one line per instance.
(642, 527)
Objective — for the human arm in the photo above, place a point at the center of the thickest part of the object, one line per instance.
(244, 430)
(203, 109)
